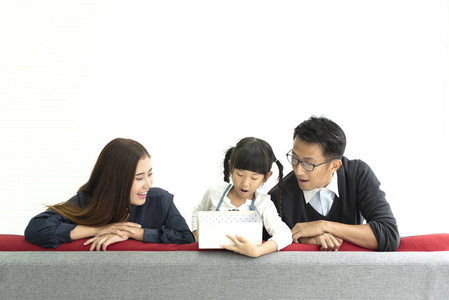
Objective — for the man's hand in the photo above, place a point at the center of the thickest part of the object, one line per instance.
(360, 235)
(326, 241)
(308, 229)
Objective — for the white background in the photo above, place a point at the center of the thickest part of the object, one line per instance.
(188, 79)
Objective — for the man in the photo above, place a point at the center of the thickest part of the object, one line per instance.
(326, 197)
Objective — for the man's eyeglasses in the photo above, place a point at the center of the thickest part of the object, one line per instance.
(308, 166)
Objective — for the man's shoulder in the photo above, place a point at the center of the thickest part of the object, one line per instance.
(354, 165)
(356, 170)
(290, 178)
(290, 185)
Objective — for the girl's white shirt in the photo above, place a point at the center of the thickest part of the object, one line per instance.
(279, 231)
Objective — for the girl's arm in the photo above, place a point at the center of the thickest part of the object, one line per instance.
(281, 234)
(279, 231)
(203, 205)
(242, 246)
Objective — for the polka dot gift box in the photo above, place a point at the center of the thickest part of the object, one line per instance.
(214, 225)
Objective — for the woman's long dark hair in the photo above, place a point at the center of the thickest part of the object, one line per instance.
(109, 186)
(254, 155)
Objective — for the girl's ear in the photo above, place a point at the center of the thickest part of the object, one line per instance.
(267, 176)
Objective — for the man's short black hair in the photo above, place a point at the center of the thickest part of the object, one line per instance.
(326, 133)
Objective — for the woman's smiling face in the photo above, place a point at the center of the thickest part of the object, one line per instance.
(143, 181)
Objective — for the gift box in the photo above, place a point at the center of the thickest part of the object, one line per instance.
(214, 225)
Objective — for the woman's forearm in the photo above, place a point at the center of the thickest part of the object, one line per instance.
(138, 235)
(82, 231)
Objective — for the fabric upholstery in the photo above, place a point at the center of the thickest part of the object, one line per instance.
(223, 275)
(431, 242)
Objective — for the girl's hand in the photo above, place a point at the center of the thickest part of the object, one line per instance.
(242, 246)
(102, 242)
(118, 229)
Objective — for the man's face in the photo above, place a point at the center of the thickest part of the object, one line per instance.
(321, 176)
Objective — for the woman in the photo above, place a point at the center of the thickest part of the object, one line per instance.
(116, 203)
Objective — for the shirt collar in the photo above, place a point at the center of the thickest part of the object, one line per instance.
(332, 186)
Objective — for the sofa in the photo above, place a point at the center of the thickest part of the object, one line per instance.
(136, 270)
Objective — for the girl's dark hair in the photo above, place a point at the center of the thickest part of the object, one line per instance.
(326, 133)
(109, 186)
(254, 155)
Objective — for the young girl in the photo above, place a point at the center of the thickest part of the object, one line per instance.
(116, 203)
(249, 163)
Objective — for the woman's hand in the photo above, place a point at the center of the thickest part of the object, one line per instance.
(118, 229)
(102, 242)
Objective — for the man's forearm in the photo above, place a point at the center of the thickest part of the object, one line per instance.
(360, 235)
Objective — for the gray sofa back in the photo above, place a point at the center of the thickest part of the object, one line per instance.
(223, 275)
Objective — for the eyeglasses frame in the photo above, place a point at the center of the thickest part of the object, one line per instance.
(288, 154)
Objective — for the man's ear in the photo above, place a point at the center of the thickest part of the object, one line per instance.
(336, 164)
(267, 176)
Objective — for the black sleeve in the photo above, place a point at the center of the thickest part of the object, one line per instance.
(49, 230)
(173, 231)
(376, 210)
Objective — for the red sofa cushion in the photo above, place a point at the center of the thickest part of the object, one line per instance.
(418, 243)
(430, 242)
(423, 243)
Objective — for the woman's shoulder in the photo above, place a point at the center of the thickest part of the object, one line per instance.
(82, 199)
(159, 194)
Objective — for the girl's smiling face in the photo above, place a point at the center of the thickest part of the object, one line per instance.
(143, 181)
